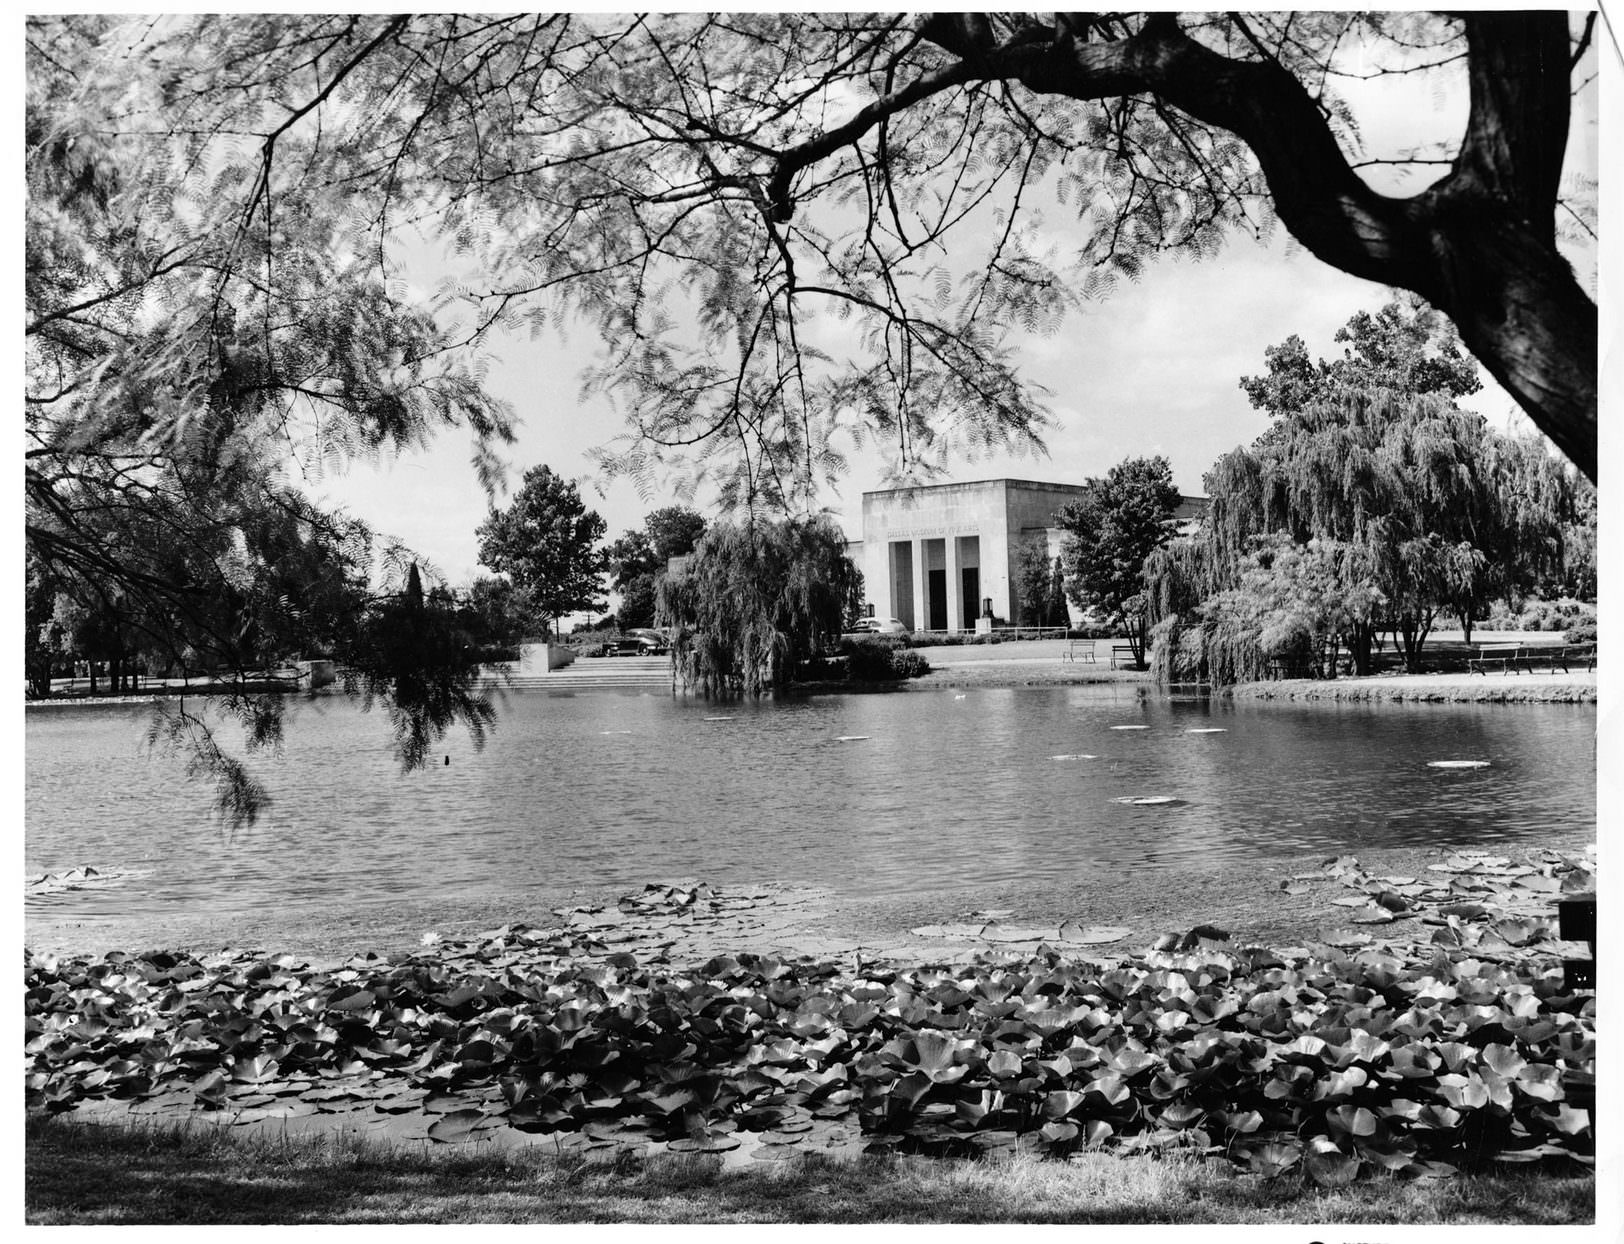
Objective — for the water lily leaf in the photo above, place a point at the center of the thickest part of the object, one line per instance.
(1058, 1133)
(1244, 1123)
(1341, 1083)
(1092, 935)
(908, 1089)
(1181, 1115)
(1390, 1159)
(1520, 932)
(1541, 1081)
(255, 1070)
(1095, 1132)
(933, 1054)
(1129, 1061)
(1467, 1092)
(1331, 1170)
(1532, 1154)
(1503, 1060)
(783, 1138)
(456, 1126)
(1355, 1120)
(1059, 1105)
(211, 1087)
(1005, 1064)
(993, 931)
(1273, 1159)
(704, 1144)
(973, 1108)
(1570, 1122)
(1539, 883)
(1110, 1087)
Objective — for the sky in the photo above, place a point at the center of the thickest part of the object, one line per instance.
(1152, 369)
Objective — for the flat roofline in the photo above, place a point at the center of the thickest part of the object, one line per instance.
(1184, 497)
(974, 483)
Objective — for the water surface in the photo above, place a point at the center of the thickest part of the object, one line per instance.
(874, 796)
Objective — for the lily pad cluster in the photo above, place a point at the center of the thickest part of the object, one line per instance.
(1494, 906)
(1339, 1061)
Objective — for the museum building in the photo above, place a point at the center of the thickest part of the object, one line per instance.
(934, 556)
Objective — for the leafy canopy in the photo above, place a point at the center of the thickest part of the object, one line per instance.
(1373, 500)
(799, 231)
(1110, 530)
(546, 541)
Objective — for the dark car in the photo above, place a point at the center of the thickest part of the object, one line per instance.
(649, 641)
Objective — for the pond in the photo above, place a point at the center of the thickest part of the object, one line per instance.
(873, 796)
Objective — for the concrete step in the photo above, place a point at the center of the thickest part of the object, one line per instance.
(600, 672)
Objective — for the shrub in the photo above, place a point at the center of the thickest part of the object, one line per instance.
(1542, 615)
(907, 664)
(876, 660)
(1584, 632)
(1286, 639)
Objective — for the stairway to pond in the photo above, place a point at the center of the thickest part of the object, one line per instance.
(588, 673)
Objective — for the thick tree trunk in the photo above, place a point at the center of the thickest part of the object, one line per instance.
(1479, 245)
(1522, 313)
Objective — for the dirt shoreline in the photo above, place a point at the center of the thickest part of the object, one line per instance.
(1247, 902)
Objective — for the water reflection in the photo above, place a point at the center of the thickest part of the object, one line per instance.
(872, 795)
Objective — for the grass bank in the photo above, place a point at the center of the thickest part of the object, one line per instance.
(1576, 688)
(103, 1174)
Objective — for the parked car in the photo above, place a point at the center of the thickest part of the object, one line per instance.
(882, 626)
(650, 642)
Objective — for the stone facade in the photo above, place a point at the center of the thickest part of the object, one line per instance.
(937, 556)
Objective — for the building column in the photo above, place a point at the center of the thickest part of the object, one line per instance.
(921, 586)
(950, 556)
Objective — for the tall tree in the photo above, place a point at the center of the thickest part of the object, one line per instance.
(1406, 346)
(1370, 452)
(547, 542)
(639, 558)
(756, 600)
(1400, 504)
(1118, 522)
(673, 531)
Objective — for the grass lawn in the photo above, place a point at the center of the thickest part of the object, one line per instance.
(92, 1174)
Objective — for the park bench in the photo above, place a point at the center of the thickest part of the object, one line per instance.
(1123, 653)
(1567, 656)
(1079, 650)
(1506, 656)
(1288, 667)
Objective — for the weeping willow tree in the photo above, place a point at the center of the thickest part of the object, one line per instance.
(756, 600)
(1374, 501)
(1411, 492)
(1288, 604)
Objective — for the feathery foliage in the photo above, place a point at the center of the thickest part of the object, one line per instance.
(757, 600)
